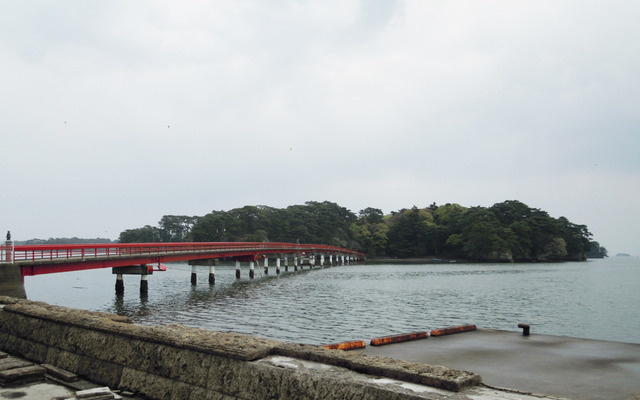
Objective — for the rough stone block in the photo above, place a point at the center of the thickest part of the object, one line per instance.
(8, 343)
(224, 373)
(63, 359)
(20, 325)
(147, 384)
(29, 349)
(99, 371)
(185, 365)
(182, 391)
(226, 344)
(213, 395)
(3, 338)
(125, 351)
(54, 334)
(9, 300)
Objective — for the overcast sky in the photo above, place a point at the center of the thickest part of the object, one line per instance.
(115, 113)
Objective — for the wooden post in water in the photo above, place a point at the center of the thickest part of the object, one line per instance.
(237, 269)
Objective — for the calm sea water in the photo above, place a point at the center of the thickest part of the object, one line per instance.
(598, 299)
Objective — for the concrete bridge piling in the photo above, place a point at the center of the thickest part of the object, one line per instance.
(143, 270)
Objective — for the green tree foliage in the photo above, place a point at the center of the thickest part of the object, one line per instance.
(449, 220)
(217, 226)
(314, 222)
(596, 251)
(146, 234)
(507, 231)
(409, 232)
(370, 232)
(371, 215)
(485, 238)
(176, 228)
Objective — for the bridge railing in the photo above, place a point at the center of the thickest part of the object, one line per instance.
(26, 253)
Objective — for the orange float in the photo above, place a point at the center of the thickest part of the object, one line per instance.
(399, 338)
(355, 344)
(452, 330)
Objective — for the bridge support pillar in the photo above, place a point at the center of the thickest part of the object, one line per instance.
(266, 264)
(295, 262)
(11, 281)
(251, 270)
(194, 277)
(144, 285)
(212, 275)
(322, 260)
(278, 265)
(286, 263)
(237, 269)
(119, 284)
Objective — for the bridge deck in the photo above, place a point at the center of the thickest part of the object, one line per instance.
(43, 259)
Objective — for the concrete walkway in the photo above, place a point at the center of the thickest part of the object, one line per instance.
(550, 365)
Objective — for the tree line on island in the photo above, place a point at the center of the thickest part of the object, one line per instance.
(505, 232)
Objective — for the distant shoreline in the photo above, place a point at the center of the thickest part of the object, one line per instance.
(415, 260)
(436, 260)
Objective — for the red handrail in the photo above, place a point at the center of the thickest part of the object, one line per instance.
(87, 251)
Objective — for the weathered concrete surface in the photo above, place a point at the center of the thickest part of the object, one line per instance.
(40, 391)
(177, 362)
(553, 365)
(431, 375)
(11, 283)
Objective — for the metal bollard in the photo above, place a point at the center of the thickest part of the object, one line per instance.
(525, 329)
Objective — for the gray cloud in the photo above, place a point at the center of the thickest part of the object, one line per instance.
(114, 114)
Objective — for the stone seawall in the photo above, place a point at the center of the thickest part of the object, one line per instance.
(177, 362)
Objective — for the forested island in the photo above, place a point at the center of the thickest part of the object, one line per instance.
(509, 231)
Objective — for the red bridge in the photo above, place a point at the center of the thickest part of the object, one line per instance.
(140, 258)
